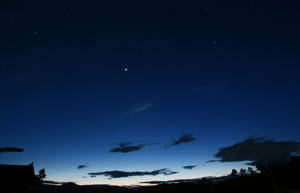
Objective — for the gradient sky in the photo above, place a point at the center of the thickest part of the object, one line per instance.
(221, 71)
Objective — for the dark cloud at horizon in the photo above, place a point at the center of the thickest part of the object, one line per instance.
(184, 138)
(122, 174)
(170, 181)
(189, 167)
(212, 161)
(52, 182)
(127, 147)
(10, 149)
(81, 166)
(258, 150)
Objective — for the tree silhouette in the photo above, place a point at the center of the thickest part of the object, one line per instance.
(234, 172)
(204, 181)
(242, 172)
(250, 171)
(41, 176)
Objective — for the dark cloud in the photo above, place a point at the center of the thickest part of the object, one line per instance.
(11, 149)
(258, 150)
(171, 181)
(188, 167)
(127, 147)
(212, 161)
(170, 173)
(122, 174)
(185, 138)
(52, 182)
(81, 166)
(155, 182)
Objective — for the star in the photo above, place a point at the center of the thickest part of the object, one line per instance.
(125, 69)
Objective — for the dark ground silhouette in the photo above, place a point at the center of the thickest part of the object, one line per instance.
(272, 178)
(17, 178)
(267, 178)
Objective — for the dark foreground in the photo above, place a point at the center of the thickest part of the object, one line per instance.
(245, 184)
(275, 178)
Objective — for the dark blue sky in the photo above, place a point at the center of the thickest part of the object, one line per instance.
(219, 71)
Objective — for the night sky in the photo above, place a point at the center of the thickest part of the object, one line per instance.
(118, 92)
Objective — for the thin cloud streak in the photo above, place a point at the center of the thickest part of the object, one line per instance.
(141, 107)
(189, 167)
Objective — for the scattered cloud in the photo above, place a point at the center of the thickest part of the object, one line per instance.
(184, 138)
(10, 149)
(127, 147)
(189, 167)
(141, 107)
(81, 166)
(122, 174)
(258, 150)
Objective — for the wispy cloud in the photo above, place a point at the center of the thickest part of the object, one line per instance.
(122, 174)
(141, 107)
